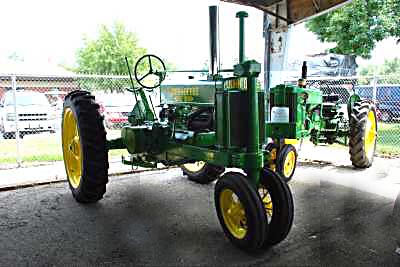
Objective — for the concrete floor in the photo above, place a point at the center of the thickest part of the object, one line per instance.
(162, 219)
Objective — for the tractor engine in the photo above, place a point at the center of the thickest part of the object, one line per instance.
(188, 106)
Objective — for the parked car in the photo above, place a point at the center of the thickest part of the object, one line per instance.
(387, 100)
(115, 108)
(35, 114)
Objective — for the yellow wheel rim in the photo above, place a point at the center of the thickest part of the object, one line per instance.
(72, 151)
(233, 213)
(267, 201)
(289, 164)
(195, 167)
(272, 165)
(370, 135)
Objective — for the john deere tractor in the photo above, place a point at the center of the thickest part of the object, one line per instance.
(298, 112)
(205, 126)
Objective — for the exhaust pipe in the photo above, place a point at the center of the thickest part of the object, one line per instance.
(214, 38)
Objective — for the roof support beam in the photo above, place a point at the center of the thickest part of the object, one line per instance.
(298, 10)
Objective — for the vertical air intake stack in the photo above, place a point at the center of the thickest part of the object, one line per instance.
(241, 15)
(214, 36)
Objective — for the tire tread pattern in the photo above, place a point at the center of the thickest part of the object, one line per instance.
(358, 122)
(251, 202)
(94, 150)
(283, 207)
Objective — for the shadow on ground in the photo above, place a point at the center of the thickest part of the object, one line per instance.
(166, 220)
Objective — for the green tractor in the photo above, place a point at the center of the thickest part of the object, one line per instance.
(205, 126)
(298, 112)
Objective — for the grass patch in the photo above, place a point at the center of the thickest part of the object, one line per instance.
(40, 148)
(388, 138)
(46, 147)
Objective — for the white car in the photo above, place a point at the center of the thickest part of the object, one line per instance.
(115, 108)
(35, 114)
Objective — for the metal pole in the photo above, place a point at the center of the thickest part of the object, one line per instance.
(16, 118)
(375, 82)
(214, 39)
(267, 53)
(253, 141)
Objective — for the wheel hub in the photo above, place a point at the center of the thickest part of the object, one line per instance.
(289, 164)
(233, 214)
(71, 148)
(370, 135)
(195, 167)
(267, 201)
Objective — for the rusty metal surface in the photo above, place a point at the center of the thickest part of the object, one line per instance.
(297, 10)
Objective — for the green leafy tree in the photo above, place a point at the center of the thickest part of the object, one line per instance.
(106, 54)
(389, 67)
(356, 27)
(368, 70)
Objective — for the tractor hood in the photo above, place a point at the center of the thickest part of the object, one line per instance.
(189, 91)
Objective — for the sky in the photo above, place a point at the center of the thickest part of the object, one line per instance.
(51, 31)
(48, 32)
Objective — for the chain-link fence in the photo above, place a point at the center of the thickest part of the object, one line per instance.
(384, 91)
(31, 108)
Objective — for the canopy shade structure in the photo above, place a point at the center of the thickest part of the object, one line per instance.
(297, 10)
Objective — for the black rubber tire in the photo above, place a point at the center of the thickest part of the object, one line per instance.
(92, 135)
(257, 226)
(280, 162)
(205, 175)
(358, 120)
(282, 207)
(271, 146)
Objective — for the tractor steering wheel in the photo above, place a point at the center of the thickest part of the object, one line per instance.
(153, 67)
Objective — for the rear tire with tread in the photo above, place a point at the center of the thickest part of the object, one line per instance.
(94, 178)
(358, 127)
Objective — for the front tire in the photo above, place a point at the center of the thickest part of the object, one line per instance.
(363, 134)
(84, 147)
(286, 162)
(240, 211)
(202, 172)
(278, 204)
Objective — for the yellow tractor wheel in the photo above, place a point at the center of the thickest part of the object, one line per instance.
(202, 172)
(240, 211)
(84, 147)
(363, 134)
(286, 162)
